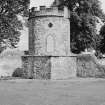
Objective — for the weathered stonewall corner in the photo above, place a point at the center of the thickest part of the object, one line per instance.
(49, 55)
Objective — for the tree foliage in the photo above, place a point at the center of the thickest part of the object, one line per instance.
(10, 25)
(83, 23)
(102, 33)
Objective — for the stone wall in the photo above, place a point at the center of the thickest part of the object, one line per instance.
(45, 67)
(10, 59)
(88, 66)
(43, 27)
(36, 67)
(63, 67)
(27, 66)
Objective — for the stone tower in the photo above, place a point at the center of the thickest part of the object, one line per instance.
(49, 55)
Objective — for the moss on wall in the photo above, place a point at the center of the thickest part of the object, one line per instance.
(88, 66)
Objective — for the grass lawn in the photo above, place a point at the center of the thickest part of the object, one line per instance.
(67, 92)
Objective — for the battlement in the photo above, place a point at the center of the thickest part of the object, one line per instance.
(44, 11)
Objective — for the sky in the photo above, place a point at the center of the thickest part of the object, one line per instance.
(102, 4)
(23, 44)
(37, 3)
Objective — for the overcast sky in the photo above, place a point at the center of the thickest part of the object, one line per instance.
(103, 4)
(23, 45)
(40, 2)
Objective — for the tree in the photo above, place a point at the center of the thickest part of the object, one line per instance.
(10, 25)
(83, 23)
(102, 33)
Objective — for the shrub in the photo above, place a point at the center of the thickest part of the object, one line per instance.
(18, 72)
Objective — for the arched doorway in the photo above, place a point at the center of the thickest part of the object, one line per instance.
(50, 44)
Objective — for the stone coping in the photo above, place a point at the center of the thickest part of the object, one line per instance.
(48, 56)
(46, 14)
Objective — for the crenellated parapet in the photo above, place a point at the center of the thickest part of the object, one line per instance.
(44, 11)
